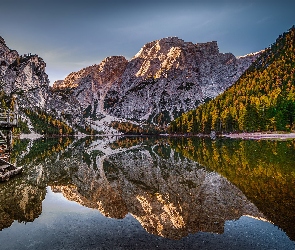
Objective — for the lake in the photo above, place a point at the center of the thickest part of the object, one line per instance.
(149, 193)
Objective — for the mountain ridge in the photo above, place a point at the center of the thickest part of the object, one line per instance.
(165, 78)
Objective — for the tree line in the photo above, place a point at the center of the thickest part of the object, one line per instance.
(45, 123)
(263, 99)
(129, 128)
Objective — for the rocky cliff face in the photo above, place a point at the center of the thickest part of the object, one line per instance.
(87, 89)
(91, 84)
(25, 75)
(165, 78)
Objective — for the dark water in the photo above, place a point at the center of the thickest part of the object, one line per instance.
(150, 193)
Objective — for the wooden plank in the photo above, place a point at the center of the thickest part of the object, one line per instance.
(8, 119)
(5, 162)
(3, 167)
(7, 175)
(8, 170)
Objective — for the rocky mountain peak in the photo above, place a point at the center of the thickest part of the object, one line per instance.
(164, 79)
(90, 85)
(168, 76)
(110, 68)
(24, 74)
(7, 56)
(111, 62)
(209, 47)
(159, 46)
(165, 45)
(171, 53)
(2, 40)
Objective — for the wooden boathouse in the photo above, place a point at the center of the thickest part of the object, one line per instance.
(8, 121)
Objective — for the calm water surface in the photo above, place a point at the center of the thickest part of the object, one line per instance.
(150, 193)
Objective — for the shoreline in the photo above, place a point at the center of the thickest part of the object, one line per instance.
(260, 135)
(251, 135)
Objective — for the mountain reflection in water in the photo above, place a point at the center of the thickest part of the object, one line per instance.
(173, 187)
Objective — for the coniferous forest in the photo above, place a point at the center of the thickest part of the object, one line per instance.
(263, 99)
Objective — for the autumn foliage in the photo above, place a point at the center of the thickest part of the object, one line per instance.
(263, 99)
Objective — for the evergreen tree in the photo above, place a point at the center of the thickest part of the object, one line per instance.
(262, 99)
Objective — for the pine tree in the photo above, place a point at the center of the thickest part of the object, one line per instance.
(262, 99)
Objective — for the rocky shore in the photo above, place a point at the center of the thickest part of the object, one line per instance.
(262, 135)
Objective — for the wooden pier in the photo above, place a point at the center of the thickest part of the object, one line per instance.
(8, 121)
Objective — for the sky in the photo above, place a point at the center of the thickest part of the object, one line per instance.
(70, 34)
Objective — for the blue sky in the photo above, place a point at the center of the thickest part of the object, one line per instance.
(70, 34)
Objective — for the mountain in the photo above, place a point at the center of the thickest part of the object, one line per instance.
(164, 79)
(23, 74)
(90, 85)
(263, 99)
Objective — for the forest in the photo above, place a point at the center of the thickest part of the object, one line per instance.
(45, 123)
(263, 99)
(129, 128)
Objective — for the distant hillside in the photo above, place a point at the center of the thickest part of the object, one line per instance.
(262, 99)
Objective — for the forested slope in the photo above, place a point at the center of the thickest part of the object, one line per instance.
(263, 99)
